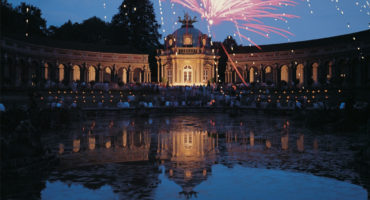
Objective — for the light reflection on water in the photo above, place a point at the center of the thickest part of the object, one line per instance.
(210, 157)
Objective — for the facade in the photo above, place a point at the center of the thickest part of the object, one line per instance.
(25, 64)
(188, 57)
(342, 58)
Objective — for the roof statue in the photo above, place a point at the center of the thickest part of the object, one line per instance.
(187, 21)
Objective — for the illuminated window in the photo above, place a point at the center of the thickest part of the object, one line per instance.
(76, 73)
(204, 41)
(284, 73)
(188, 140)
(169, 75)
(187, 73)
(188, 39)
(92, 73)
(205, 75)
(251, 75)
(61, 72)
(46, 71)
(268, 70)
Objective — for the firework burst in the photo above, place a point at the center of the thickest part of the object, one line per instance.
(245, 14)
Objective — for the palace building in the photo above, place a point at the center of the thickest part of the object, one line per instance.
(343, 59)
(188, 57)
(26, 64)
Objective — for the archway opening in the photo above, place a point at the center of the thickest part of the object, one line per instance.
(60, 73)
(91, 74)
(107, 75)
(76, 75)
(284, 74)
(251, 75)
(300, 74)
(268, 75)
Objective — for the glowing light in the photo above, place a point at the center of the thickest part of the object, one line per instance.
(244, 14)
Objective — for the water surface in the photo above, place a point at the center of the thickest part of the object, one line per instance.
(204, 156)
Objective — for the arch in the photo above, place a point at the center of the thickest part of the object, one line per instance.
(45, 73)
(268, 74)
(188, 72)
(284, 73)
(76, 73)
(251, 75)
(237, 78)
(61, 72)
(137, 75)
(315, 73)
(122, 74)
(300, 74)
(91, 74)
(107, 74)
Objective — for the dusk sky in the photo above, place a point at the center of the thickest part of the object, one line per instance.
(323, 18)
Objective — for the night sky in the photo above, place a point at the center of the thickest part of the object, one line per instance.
(325, 20)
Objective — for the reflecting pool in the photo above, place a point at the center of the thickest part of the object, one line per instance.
(200, 156)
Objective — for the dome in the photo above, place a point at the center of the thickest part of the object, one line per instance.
(187, 35)
(196, 36)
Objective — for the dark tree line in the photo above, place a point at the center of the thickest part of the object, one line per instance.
(134, 25)
(14, 20)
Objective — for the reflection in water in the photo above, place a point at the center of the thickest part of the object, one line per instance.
(268, 144)
(315, 144)
(186, 154)
(300, 143)
(251, 138)
(284, 142)
(128, 146)
(61, 148)
(76, 145)
(91, 142)
(188, 148)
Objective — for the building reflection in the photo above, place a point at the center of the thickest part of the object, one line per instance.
(122, 146)
(187, 157)
(186, 151)
(300, 143)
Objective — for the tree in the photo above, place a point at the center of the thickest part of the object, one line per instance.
(136, 22)
(230, 45)
(22, 19)
(93, 30)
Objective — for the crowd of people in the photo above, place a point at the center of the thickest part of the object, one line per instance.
(104, 95)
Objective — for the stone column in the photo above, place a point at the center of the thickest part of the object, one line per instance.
(131, 76)
(101, 74)
(330, 72)
(159, 70)
(315, 74)
(305, 73)
(124, 75)
(275, 74)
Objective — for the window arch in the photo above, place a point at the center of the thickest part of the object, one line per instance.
(300, 73)
(315, 75)
(46, 71)
(76, 73)
(251, 75)
(107, 74)
(61, 72)
(284, 74)
(187, 73)
(92, 74)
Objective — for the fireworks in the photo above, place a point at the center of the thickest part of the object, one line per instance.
(245, 14)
